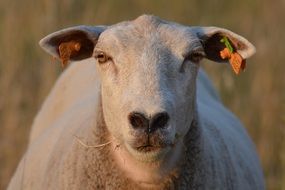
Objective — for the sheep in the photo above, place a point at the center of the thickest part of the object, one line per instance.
(135, 111)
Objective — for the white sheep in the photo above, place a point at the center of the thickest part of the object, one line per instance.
(141, 116)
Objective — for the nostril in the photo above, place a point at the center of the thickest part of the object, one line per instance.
(159, 121)
(138, 120)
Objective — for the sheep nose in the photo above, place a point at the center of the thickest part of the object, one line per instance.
(158, 121)
(140, 122)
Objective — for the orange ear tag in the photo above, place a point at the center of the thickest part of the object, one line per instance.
(66, 50)
(237, 62)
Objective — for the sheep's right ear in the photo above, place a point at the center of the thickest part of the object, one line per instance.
(211, 40)
(83, 38)
(222, 45)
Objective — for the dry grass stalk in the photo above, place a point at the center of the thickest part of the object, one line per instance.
(91, 146)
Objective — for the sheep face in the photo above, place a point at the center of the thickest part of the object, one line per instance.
(148, 71)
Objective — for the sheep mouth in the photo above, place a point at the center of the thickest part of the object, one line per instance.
(148, 153)
(148, 148)
(149, 144)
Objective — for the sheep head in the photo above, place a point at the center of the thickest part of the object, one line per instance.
(148, 69)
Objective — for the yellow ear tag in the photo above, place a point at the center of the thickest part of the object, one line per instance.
(237, 62)
(66, 50)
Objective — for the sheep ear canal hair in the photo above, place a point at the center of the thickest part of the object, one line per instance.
(91, 146)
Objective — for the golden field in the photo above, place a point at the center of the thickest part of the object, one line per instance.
(257, 96)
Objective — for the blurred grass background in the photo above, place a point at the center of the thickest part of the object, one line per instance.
(257, 96)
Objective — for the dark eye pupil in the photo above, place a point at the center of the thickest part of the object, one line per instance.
(194, 57)
(101, 57)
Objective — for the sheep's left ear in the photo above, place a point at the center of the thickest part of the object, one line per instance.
(211, 40)
(71, 44)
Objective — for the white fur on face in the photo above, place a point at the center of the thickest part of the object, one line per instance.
(146, 75)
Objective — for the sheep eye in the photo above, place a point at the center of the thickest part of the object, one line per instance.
(101, 57)
(195, 57)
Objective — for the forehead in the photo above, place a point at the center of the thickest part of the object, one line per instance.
(148, 32)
